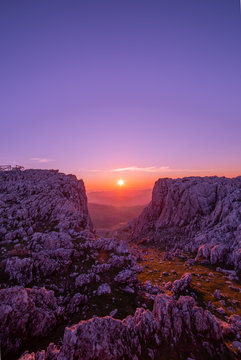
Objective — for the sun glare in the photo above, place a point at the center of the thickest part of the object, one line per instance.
(120, 182)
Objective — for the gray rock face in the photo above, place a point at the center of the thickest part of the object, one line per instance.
(38, 200)
(55, 271)
(103, 289)
(48, 247)
(171, 327)
(232, 327)
(25, 314)
(180, 286)
(194, 214)
(151, 289)
(72, 294)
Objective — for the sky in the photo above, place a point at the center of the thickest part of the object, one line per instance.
(131, 89)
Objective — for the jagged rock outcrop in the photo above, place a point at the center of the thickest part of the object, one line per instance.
(55, 272)
(232, 327)
(26, 314)
(182, 285)
(39, 200)
(82, 285)
(194, 213)
(48, 250)
(177, 328)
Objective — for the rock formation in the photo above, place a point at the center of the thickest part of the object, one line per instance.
(39, 200)
(200, 215)
(51, 263)
(180, 286)
(26, 314)
(77, 296)
(175, 327)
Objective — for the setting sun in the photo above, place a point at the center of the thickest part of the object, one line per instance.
(120, 182)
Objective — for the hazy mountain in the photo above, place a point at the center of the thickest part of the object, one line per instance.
(121, 197)
(112, 217)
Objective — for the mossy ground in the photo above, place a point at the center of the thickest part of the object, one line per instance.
(205, 279)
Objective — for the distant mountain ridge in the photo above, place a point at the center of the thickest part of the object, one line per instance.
(120, 197)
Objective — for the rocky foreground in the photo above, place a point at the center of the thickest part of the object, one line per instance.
(198, 215)
(66, 294)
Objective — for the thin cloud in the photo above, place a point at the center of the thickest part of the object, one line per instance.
(41, 160)
(92, 170)
(194, 170)
(160, 169)
(149, 169)
(95, 170)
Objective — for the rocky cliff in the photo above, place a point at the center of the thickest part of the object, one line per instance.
(200, 215)
(52, 266)
(67, 294)
(41, 200)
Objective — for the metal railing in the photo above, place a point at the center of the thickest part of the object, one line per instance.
(9, 167)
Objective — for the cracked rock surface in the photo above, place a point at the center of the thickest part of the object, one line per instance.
(201, 215)
(178, 326)
(54, 270)
(67, 294)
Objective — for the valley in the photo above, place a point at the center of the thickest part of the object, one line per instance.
(107, 219)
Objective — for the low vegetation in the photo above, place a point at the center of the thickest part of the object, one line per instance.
(205, 279)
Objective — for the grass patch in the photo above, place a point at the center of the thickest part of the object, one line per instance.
(205, 279)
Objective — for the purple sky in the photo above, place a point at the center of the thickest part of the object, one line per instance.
(153, 87)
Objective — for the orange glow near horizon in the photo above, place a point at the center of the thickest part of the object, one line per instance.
(104, 184)
(104, 181)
